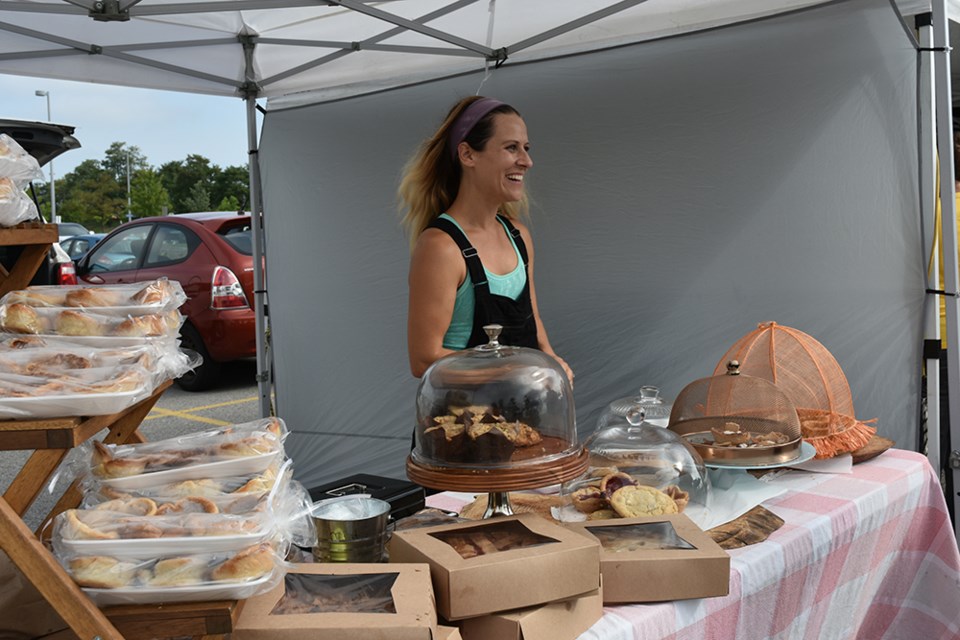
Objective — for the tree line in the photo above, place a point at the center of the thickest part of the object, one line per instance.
(95, 192)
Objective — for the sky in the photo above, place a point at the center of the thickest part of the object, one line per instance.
(165, 125)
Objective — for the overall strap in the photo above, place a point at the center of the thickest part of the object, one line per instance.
(470, 257)
(517, 240)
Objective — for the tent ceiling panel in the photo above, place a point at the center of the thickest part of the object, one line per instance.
(36, 30)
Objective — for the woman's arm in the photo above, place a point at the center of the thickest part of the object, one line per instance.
(542, 339)
(436, 271)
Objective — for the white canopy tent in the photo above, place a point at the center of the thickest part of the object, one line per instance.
(350, 53)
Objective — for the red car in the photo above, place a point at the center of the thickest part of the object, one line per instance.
(211, 256)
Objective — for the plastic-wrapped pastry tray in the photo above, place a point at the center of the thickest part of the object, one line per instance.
(137, 548)
(190, 593)
(221, 468)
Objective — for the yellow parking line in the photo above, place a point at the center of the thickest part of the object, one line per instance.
(164, 413)
(223, 404)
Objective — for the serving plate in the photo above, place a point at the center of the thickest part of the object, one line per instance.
(220, 469)
(807, 452)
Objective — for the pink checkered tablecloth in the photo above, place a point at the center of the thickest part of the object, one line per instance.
(869, 555)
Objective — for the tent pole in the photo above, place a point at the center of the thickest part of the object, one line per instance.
(264, 381)
(928, 189)
(250, 90)
(949, 214)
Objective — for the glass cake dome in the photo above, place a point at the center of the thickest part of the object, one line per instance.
(495, 418)
(637, 468)
(656, 409)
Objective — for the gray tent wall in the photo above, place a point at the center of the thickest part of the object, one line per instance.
(684, 190)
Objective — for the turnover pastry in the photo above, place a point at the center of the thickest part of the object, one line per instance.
(21, 318)
(249, 564)
(76, 323)
(86, 528)
(101, 572)
(141, 326)
(92, 297)
(189, 504)
(176, 572)
(133, 506)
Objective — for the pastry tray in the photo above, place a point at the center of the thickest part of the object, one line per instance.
(74, 404)
(188, 593)
(219, 469)
(142, 548)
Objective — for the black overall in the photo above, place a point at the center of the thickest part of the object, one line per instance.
(516, 316)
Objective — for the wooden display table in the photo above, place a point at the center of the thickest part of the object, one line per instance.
(35, 239)
(52, 439)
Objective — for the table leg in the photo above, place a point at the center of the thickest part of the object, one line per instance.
(28, 483)
(50, 579)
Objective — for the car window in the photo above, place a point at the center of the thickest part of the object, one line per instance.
(76, 247)
(170, 244)
(71, 229)
(121, 251)
(240, 238)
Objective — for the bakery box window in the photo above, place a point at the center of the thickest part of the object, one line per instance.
(312, 593)
(647, 536)
(491, 538)
(495, 412)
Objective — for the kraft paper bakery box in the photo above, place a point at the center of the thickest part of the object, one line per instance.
(343, 602)
(501, 563)
(560, 620)
(657, 558)
(448, 633)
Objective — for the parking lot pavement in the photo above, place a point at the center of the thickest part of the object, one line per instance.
(177, 413)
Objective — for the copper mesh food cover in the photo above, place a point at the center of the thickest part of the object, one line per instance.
(728, 403)
(811, 377)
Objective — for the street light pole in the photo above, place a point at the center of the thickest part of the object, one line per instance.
(53, 185)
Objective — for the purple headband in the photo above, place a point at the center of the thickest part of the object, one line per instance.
(468, 119)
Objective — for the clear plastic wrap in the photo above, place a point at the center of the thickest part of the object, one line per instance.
(134, 299)
(16, 164)
(80, 322)
(75, 392)
(64, 378)
(271, 495)
(15, 205)
(177, 577)
(215, 453)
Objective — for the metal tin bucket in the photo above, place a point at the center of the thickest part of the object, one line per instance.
(351, 529)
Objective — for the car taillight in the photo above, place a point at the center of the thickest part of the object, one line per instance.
(66, 274)
(226, 292)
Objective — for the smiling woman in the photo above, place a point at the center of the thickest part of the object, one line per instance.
(472, 261)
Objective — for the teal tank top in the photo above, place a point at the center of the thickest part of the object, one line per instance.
(509, 285)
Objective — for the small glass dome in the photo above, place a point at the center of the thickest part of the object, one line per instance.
(632, 456)
(495, 418)
(654, 407)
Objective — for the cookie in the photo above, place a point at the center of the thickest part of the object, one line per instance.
(634, 501)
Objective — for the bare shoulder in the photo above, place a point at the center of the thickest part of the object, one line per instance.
(435, 245)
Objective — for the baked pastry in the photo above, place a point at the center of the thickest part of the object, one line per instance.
(92, 297)
(135, 506)
(206, 487)
(251, 563)
(23, 342)
(49, 297)
(177, 572)
(635, 500)
(141, 326)
(189, 504)
(75, 528)
(614, 481)
(730, 435)
(21, 318)
(106, 465)
(76, 323)
(250, 446)
(588, 499)
(603, 514)
(101, 572)
(679, 496)
(155, 293)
